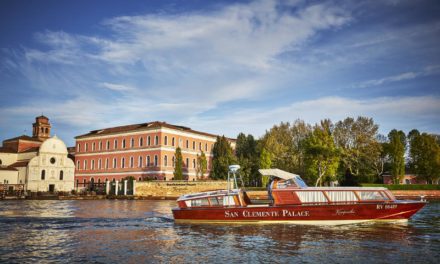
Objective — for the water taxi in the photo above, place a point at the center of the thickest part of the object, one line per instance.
(292, 201)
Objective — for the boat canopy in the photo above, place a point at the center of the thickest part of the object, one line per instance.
(283, 175)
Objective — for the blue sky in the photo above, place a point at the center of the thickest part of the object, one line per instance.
(218, 66)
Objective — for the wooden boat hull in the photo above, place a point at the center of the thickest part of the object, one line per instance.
(328, 214)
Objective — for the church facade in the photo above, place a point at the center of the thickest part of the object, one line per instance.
(39, 163)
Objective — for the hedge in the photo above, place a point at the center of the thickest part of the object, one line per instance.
(404, 186)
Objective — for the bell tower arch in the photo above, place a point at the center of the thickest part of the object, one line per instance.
(41, 128)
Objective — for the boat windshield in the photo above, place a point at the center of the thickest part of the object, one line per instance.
(299, 182)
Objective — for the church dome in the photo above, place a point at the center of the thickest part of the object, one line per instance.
(53, 145)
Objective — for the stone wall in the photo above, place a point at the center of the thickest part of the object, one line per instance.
(173, 189)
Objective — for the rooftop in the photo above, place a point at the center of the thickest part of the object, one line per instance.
(142, 126)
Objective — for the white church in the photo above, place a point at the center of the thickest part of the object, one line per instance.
(36, 164)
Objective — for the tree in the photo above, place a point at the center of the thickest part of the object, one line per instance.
(265, 162)
(322, 156)
(178, 174)
(247, 156)
(284, 142)
(202, 165)
(222, 158)
(381, 161)
(424, 155)
(396, 149)
(357, 140)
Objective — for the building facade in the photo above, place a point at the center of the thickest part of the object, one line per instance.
(39, 163)
(143, 151)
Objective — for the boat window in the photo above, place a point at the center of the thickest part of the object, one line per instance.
(299, 182)
(341, 196)
(216, 202)
(228, 200)
(370, 195)
(311, 197)
(200, 202)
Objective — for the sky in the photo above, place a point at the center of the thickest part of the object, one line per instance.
(221, 67)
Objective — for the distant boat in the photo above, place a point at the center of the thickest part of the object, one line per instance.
(294, 202)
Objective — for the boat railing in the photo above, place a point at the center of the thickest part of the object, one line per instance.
(332, 196)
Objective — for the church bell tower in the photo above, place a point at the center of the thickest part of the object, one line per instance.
(41, 128)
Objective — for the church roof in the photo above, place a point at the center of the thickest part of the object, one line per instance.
(7, 168)
(23, 137)
(6, 150)
(19, 164)
(139, 127)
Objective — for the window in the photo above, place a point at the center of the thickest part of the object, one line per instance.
(187, 143)
(156, 140)
(114, 163)
(106, 163)
(93, 146)
(123, 143)
(194, 145)
(132, 143)
(200, 145)
(194, 163)
(100, 145)
(115, 144)
(148, 161)
(52, 160)
(85, 165)
(200, 202)
(93, 164)
(165, 140)
(77, 165)
(187, 162)
(173, 142)
(370, 195)
(107, 145)
(141, 141)
(78, 148)
(174, 161)
(123, 163)
(43, 174)
(61, 175)
(165, 160)
(155, 160)
(206, 147)
(148, 141)
(87, 147)
(131, 162)
(140, 162)
(99, 164)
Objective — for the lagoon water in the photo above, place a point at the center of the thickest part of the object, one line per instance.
(128, 231)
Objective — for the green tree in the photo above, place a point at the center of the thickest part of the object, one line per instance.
(265, 162)
(178, 174)
(247, 156)
(396, 150)
(284, 142)
(424, 156)
(360, 149)
(322, 156)
(222, 158)
(202, 165)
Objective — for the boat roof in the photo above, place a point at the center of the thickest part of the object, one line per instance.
(207, 194)
(284, 175)
(278, 173)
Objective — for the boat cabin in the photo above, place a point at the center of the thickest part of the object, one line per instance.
(287, 189)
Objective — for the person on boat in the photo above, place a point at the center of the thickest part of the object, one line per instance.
(272, 185)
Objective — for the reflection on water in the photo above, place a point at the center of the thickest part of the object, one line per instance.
(143, 231)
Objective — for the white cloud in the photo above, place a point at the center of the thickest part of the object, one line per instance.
(117, 87)
(427, 71)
